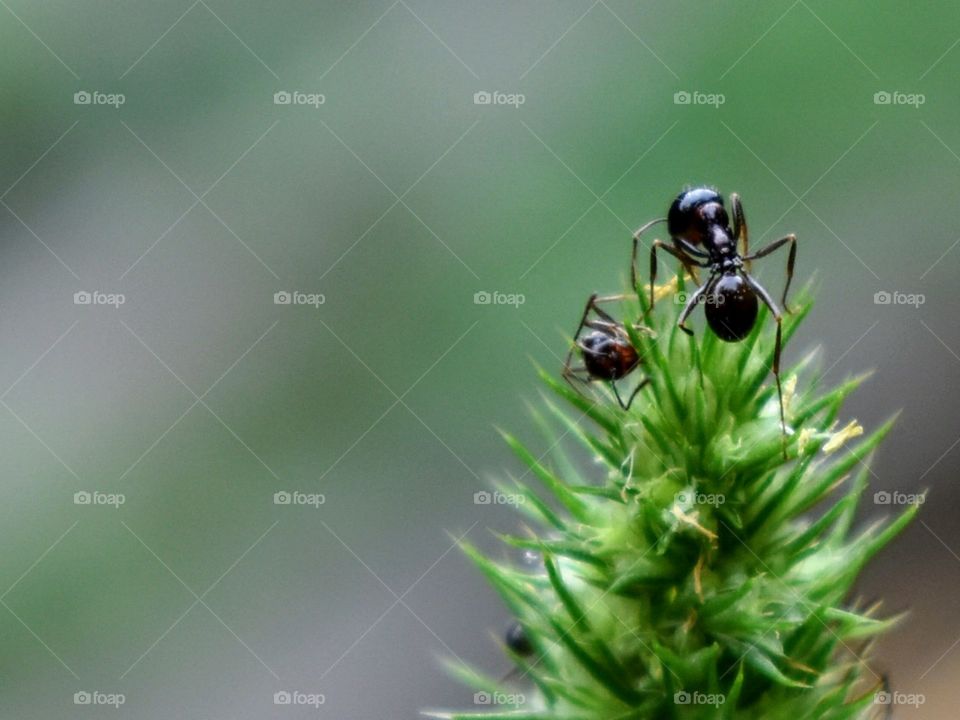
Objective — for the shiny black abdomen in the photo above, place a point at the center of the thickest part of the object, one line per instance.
(731, 308)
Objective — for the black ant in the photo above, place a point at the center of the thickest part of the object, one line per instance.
(517, 640)
(607, 352)
(702, 237)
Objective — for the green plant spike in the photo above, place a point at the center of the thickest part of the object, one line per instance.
(698, 573)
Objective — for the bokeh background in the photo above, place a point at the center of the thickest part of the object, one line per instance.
(398, 198)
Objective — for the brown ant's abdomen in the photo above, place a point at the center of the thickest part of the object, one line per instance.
(608, 358)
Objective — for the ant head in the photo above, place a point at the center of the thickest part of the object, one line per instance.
(607, 355)
(694, 212)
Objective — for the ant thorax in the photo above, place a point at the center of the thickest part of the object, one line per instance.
(729, 264)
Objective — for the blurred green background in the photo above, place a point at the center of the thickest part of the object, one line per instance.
(398, 198)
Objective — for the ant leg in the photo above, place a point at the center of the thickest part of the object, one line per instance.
(688, 264)
(616, 394)
(570, 374)
(567, 370)
(641, 328)
(694, 252)
(676, 252)
(791, 259)
(692, 303)
(596, 300)
(607, 322)
(634, 275)
(642, 384)
(772, 306)
(740, 226)
(689, 248)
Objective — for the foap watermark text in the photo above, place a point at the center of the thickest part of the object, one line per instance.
(296, 497)
(884, 97)
(298, 698)
(297, 97)
(696, 97)
(688, 497)
(682, 298)
(95, 97)
(482, 297)
(883, 297)
(83, 297)
(882, 497)
(698, 698)
(99, 499)
(484, 97)
(899, 698)
(95, 697)
(499, 698)
(295, 297)
(483, 497)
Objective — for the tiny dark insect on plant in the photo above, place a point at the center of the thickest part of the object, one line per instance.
(517, 640)
(607, 353)
(702, 237)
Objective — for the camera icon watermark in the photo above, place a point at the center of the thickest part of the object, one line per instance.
(884, 297)
(297, 498)
(95, 97)
(484, 497)
(514, 100)
(689, 498)
(682, 697)
(295, 297)
(96, 297)
(298, 698)
(696, 97)
(499, 698)
(297, 97)
(882, 497)
(99, 499)
(895, 97)
(95, 697)
(482, 297)
(887, 697)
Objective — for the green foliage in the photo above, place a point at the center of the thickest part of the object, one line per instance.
(699, 574)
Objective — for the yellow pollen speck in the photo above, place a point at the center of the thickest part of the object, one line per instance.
(789, 389)
(804, 438)
(662, 291)
(853, 429)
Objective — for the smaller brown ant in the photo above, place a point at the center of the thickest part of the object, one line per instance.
(608, 354)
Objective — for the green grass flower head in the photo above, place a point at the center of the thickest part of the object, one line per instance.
(700, 571)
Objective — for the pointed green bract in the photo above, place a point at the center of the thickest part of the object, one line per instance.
(697, 572)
